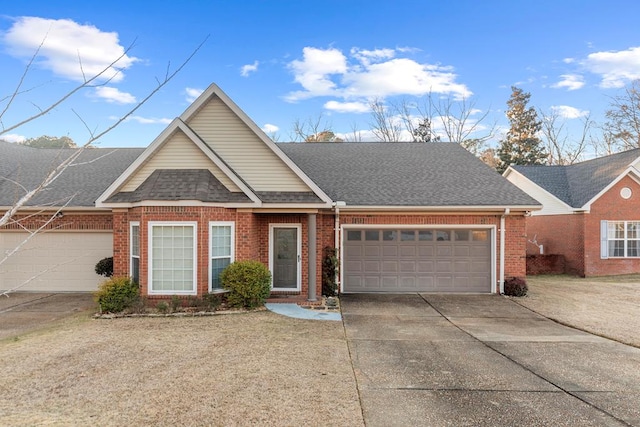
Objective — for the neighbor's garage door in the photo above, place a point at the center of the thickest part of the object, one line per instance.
(417, 260)
(66, 260)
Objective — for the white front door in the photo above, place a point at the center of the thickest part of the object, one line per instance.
(285, 247)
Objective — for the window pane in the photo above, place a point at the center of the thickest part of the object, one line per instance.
(221, 240)
(425, 235)
(616, 248)
(172, 257)
(407, 235)
(135, 269)
(354, 235)
(372, 235)
(480, 235)
(442, 235)
(633, 248)
(217, 266)
(135, 240)
(389, 235)
(632, 229)
(462, 235)
(616, 230)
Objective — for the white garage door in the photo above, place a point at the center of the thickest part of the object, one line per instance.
(63, 261)
(417, 260)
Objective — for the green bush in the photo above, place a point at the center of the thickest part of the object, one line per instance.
(329, 269)
(515, 287)
(117, 294)
(212, 301)
(249, 283)
(104, 267)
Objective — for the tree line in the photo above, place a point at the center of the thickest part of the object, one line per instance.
(533, 137)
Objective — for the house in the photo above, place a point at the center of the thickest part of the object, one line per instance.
(212, 188)
(590, 213)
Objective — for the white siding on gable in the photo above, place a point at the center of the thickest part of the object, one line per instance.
(178, 152)
(242, 149)
(551, 205)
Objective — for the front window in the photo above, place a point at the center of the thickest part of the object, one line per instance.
(623, 239)
(172, 257)
(135, 252)
(221, 250)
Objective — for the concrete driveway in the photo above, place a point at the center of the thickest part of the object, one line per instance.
(26, 311)
(467, 360)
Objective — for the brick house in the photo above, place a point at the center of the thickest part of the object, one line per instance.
(212, 188)
(590, 213)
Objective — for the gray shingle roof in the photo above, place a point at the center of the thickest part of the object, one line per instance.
(404, 174)
(85, 180)
(578, 183)
(180, 184)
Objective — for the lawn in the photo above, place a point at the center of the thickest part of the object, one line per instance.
(234, 369)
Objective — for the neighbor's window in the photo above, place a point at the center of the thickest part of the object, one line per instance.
(172, 258)
(623, 238)
(221, 250)
(134, 246)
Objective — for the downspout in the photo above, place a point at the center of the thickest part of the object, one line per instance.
(502, 246)
(336, 241)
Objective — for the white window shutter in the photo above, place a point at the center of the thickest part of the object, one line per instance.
(604, 243)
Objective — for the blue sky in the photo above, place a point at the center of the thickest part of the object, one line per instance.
(287, 60)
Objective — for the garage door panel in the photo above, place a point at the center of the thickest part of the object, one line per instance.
(390, 251)
(405, 260)
(408, 251)
(63, 261)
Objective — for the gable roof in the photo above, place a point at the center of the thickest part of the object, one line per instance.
(578, 184)
(405, 174)
(84, 180)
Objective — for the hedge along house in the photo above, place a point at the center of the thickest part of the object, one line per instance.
(590, 214)
(406, 217)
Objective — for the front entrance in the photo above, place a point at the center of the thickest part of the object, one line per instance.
(284, 256)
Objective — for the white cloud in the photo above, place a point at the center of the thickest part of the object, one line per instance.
(69, 50)
(192, 93)
(347, 107)
(12, 137)
(569, 60)
(245, 70)
(113, 95)
(616, 68)
(269, 128)
(568, 112)
(570, 81)
(313, 72)
(369, 73)
(144, 120)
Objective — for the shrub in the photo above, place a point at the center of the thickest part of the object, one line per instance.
(176, 303)
(117, 294)
(104, 267)
(249, 283)
(329, 268)
(515, 287)
(162, 307)
(212, 301)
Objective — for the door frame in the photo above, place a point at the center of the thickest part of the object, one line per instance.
(298, 227)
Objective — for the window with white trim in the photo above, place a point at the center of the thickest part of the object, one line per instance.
(134, 247)
(172, 258)
(620, 239)
(221, 250)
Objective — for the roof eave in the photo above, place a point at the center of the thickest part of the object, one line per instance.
(449, 208)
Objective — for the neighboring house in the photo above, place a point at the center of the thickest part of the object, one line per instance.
(590, 214)
(212, 188)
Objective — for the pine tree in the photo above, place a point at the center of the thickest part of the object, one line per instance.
(521, 146)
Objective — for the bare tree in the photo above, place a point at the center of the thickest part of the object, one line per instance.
(57, 170)
(314, 129)
(562, 149)
(623, 118)
(386, 124)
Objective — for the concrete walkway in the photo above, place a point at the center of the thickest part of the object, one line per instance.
(295, 311)
(466, 360)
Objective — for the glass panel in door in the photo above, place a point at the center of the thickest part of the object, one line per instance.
(285, 257)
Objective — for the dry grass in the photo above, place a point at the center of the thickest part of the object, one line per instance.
(240, 369)
(606, 306)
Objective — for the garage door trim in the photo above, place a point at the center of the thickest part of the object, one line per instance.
(491, 227)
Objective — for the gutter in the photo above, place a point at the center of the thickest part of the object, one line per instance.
(502, 246)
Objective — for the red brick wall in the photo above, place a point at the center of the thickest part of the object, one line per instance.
(611, 207)
(68, 222)
(559, 235)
